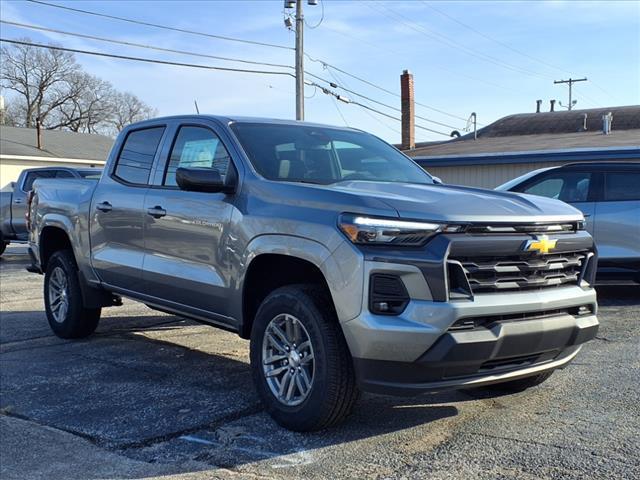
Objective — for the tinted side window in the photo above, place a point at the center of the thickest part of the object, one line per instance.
(622, 186)
(565, 186)
(33, 176)
(196, 147)
(136, 156)
(64, 174)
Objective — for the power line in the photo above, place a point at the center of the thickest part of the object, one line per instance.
(353, 102)
(142, 59)
(367, 112)
(164, 27)
(205, 67)
(478, 32)
(398, 17)
(503, 44)
(390, 92)
(382, 104)
(140, 45)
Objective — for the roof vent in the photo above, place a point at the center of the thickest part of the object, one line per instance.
(552, 104)
(538, 105)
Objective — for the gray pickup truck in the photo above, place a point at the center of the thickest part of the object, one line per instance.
(13, 199)
(342, 260)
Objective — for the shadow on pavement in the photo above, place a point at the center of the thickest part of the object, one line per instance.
(147, 398)
(618, 295)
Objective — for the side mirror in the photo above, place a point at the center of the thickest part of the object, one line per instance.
(203, 180)
(437, 180)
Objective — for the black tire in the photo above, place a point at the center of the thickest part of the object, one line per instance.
(77, 321)
(333, 390)
(515, 386)
(3, 246)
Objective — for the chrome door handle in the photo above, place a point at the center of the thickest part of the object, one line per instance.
(104, 207)
(17, 201)
(157, 211)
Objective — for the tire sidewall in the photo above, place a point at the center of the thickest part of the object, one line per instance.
(68, 328)
(294, 302)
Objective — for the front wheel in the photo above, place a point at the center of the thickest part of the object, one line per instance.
(66, 313)
(3, 246)
(300, 361)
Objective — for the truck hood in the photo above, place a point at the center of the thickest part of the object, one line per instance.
(462, 204)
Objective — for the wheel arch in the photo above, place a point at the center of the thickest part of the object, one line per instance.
(273, 261)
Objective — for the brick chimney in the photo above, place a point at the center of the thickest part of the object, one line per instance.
(408, 111)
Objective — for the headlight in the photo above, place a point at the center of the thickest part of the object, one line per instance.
(384, 231)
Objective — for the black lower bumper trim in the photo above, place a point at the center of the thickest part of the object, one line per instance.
(460, 356)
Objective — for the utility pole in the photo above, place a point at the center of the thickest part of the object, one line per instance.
(571, 81)
(299, 61)
(299, 30)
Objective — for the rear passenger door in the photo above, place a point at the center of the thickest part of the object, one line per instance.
(117, 209)
(574, 187)
(617, 231)
(186, 260)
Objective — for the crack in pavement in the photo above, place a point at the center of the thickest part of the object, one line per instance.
(230, 417)
(114, 446)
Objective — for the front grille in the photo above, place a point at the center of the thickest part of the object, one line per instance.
(497, 274)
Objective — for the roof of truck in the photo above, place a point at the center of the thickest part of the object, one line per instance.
(243, 119)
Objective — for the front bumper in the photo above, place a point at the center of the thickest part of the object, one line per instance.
(506, 351)
(438, 342)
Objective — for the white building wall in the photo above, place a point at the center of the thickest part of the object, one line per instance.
(486, 176)
(12, 165)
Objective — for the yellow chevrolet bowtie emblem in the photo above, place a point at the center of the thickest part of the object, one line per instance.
(541, 244)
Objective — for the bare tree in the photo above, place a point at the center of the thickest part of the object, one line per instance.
(127, 108)
(89, 111)
(40, 78)
(48, 84)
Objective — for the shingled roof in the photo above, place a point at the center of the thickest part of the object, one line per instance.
(528, 132)
(56, 144)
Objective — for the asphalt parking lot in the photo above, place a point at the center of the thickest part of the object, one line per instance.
(155, 396)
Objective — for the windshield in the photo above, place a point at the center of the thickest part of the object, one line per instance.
(297, 153)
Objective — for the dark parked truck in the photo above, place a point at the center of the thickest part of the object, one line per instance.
(13, 199)
(344, 263)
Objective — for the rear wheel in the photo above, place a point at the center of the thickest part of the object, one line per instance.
(3, 247)
(521, 384)
(300, 361)
(67, 316)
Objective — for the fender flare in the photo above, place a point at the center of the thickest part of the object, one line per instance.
(313, 252)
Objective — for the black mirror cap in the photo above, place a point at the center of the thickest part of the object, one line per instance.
(209, 180)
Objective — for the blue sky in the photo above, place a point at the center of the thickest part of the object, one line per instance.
(504, 57)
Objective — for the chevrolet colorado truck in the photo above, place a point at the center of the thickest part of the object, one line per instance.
(13, 199)
(341, 260)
